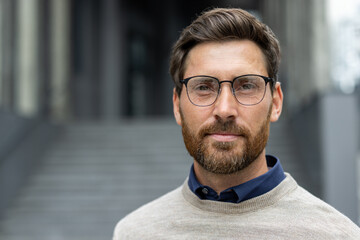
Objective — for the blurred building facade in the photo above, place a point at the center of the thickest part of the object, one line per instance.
(108, 59)
(86, 59)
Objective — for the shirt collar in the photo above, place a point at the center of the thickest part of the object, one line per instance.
(244, 191)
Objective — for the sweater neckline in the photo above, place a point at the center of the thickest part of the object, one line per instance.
(253, 204)
(250, 189)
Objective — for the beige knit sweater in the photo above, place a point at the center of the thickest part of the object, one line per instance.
(286, 212)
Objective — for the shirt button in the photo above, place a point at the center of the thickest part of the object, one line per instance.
(205, 191)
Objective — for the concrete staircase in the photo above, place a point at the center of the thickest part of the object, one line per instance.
(96, 173)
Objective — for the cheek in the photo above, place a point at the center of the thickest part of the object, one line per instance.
(254, 116)
(194, 116)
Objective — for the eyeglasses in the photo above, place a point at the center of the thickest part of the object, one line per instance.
(248, 89)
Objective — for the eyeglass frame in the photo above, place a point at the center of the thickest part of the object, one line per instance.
(266, 79)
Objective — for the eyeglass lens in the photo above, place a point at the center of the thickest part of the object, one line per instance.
(248, 90)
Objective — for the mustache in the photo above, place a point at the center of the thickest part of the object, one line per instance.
(228, 126)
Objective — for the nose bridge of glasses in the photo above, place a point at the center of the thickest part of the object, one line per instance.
(226, 102)
(226, 81)
(230, 85)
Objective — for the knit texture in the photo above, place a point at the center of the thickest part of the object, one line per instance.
(286, 212)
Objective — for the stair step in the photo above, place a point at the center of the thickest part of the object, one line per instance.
(96, 173)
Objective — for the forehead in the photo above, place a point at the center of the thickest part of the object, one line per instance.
(225, 59)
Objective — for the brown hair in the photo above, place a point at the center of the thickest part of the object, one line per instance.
(222, 24)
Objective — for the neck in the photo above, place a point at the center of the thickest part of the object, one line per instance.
(220, 182)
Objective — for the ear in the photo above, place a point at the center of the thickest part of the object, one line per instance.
(176, 107)
(277, 100)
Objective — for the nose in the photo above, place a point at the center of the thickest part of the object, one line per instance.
(226, 105)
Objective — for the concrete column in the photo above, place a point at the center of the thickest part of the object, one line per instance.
(2, 32)
(7, 53)
(27, 78)
(85, 85)
(302, 30)
(60, 73)
(112, 62)
(320, 48)
(339, 138)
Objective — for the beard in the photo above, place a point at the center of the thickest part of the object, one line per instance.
(225, 157)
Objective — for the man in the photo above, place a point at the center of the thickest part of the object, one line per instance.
(225, 66)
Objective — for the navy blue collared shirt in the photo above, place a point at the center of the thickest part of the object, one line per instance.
(253, 188)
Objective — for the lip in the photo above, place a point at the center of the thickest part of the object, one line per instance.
(224, 137)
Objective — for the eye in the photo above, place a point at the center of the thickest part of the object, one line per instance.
(247, 84)
(203, 85)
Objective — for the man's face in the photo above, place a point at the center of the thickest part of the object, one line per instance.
(226, 137)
